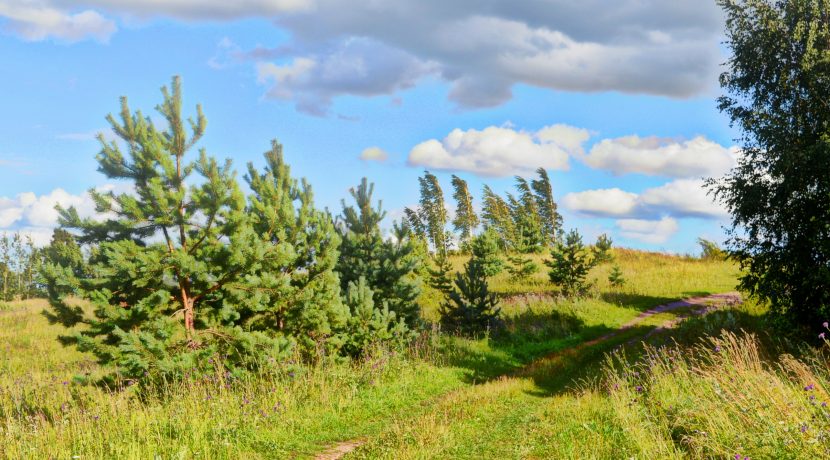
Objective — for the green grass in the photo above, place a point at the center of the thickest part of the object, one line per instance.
(430, 401)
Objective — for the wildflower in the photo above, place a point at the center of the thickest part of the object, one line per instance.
(717, 348)
(65, 383)
(825, 324)
(809, 387)
(821, 336)
(639, 389)
(804, 428)
(823, 404)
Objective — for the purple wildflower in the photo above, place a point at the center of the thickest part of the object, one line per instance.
(639, 389)
(825, 324)
(717, 348)
(804, 428)
(821, 336)
(823, 404)
(809, 387)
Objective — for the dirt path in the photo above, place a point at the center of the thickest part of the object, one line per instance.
(705, 304)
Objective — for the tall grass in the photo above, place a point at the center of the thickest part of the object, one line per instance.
(297, 409)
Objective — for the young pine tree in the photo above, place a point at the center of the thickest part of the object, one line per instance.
(388, 268)
(602, 249)
(615, 278)
(185, 267)
(570, 263)
(485, 249)
(470, 307)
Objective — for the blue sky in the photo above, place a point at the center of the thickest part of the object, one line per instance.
(616, 99)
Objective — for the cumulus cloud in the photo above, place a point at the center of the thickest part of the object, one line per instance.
(35, 215)
(498, 151)
(35, 20)
(682, 197)
(374, 154)
(695, 158)
(648, 231)
(481, 49)
(358, 66)
(679, 198)
(605, 202)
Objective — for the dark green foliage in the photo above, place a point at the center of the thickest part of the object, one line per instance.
(709, 250)
(616, 277)
(389, 268)
(571, 261)
(602, 249)
(369, 324)
(441, 274)
(776, 85)
(466, 220)
(550, 217)
(187, 267)
(521, 267)
(470, 307)
(485, 248)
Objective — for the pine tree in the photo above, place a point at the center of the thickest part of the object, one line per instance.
(433, 213)
(602, 249)
(570, 264)
(470, 307)
(521, 267)
(465, 220)
(388, 268)
(551, 219)
(615, 278)
(186, 267)
(485, 248)
(529, 236)
(496, 215)
(370, 324)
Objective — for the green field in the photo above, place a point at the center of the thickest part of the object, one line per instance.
(526, 392)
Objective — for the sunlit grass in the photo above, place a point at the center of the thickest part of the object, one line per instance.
(300, 409)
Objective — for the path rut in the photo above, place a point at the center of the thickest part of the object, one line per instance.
(705, 303)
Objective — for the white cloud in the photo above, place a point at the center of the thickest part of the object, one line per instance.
(35, 215)
(35, 20)
(603, 202)
(679, 198)
(695, 158)
(374, 154)
(480, 49)
(648, 231)
(683, 197)
(497, 151)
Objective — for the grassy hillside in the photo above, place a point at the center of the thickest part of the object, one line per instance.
(445, 397)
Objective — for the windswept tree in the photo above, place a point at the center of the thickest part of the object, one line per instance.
(529, 235)
(431, 219)
(496, 216)
(548, 211)
(777, 88)
(388, 268)
(185, 267)
(466, 220)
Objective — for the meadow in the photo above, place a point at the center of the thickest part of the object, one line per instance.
(516, 393)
